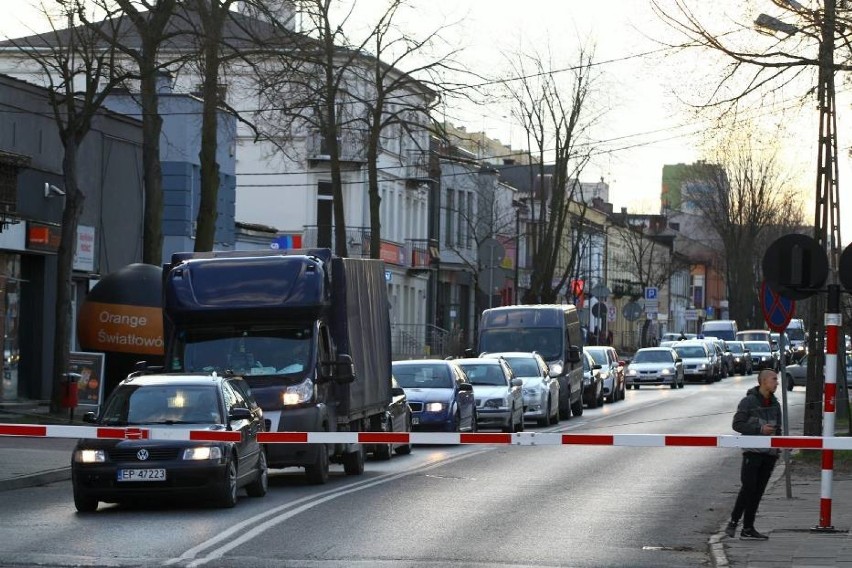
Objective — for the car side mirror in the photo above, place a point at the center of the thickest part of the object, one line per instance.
(239, 413)
(574, 354)
(397, 391)
(90, 417)
(517, 382)
(341, 370)
(466, 387)
(678, 360)
(596, 366)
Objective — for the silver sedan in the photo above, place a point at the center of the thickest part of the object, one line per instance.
(540, 390)
(499, 397)
(655, 366)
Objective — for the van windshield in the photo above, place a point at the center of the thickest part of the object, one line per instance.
(250, 352)
(796, 333)
(547, 341)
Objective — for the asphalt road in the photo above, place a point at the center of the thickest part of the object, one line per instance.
(443, 505)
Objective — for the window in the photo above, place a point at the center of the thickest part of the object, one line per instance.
(448, 218)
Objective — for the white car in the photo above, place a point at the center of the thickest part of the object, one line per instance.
(655, 366)
(499, 394)
(697, 360)
(540, 390)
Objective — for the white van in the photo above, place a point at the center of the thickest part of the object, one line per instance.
(797, 334)
(723, 329)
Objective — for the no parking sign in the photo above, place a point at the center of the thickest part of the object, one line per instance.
(777, 310)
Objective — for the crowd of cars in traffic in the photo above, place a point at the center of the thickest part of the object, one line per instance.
(492, 391)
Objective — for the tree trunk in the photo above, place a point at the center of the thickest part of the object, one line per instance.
(375, 200)
(152, 239)
(64, 283)
(205, 231)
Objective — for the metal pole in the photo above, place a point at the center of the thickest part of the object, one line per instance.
(832, 331)
(517, 250)
(785, 421)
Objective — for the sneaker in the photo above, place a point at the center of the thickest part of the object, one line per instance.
(731, 529)
(751, 534)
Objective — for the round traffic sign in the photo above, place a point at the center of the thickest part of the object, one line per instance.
(631, 311)
(491, 253)
(795, 266)
(599, 310)
(491, 280)
(777, 310)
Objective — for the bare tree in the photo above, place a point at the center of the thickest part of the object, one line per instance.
(150, 20)
(80, 70)
(556, 118)
(648, 257)
(741, 195)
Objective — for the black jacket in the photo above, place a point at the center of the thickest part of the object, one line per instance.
(751, 415)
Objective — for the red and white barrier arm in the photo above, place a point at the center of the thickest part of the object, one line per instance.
(438, 438)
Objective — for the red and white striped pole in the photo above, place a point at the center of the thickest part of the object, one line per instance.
(832, 334)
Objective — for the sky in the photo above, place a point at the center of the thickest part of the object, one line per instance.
(642, 92)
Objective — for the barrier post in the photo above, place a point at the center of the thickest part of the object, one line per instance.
(832, 332)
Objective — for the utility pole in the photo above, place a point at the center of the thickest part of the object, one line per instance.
(826, 216)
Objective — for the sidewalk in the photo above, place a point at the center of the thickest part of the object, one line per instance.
(788, 522)
(28, 462)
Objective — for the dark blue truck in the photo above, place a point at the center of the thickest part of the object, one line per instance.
(309, 332)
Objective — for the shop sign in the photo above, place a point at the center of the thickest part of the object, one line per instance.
(84, 252)
(43, 237)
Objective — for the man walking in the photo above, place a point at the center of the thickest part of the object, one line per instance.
(758, 414)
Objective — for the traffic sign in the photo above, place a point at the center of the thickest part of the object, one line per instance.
(794, 265)
(611, 314)
(777, 310)
(651, 293)
(631, 311)
(599, 310)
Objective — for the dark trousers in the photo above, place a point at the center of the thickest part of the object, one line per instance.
(754, 476)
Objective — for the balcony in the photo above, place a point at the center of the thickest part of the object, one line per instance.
(414, 255)
(351, 144)
(417, 167)
(420, 253)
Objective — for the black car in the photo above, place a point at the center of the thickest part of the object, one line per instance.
(593, 392)
(398, 420)
(132, 469)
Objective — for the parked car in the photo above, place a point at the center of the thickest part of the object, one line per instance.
(499, 394)
(742, 357)
(439, 395)
(398, 420)
(593, 392)
(697, 360)
(540, 390)
(796, 373)
(612, 371)
(113, 471)
(762, 355)
(655, 366)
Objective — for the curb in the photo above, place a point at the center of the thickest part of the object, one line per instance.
(36, 479)
(716, 542)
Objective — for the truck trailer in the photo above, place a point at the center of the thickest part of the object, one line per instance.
(309, 332)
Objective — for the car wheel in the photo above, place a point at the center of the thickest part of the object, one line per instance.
(406, 449)
(84, 503)
(547, 419)
(457, 421)
(353, 462)
(520, 427)
(385, 451)
(474, 427)
(317, 473)
(228, 489)
(577, 407)
(600, 398)
(555, 418)
(510, 427)
(260, 485)
(593, 403)
(790, 384)
(636, 387)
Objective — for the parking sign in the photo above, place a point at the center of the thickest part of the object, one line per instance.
(651, 292)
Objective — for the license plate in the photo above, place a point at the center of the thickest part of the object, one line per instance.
(141, 475)
(415, 420)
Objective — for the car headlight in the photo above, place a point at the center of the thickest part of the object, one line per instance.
(496, 403)
(89, 456)
(764, 358)
(435, 407)
(632, 372)
(702, 366)
(298, 394)
(556, 368)
(668, 371)
(203, 453)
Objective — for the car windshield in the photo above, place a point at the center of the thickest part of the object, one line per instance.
(425, 375)
(163, 404)
(736, 348)
(547, 341)
(653, 357)
(524, 366)
(759, 346)
(251, 352)
(796, 333)
(598, 355)
(690, 351)
(481, 374)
